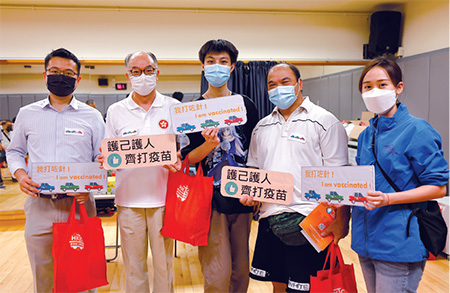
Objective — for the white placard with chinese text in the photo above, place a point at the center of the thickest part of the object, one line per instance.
(139, 151)
(198, 115)
(341, 185)
(265, 186)
(68, 177)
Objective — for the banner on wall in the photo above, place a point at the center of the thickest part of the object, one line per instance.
(346, 185)
(139, 151)
(262, 185)
(198, 115)
(68, 177)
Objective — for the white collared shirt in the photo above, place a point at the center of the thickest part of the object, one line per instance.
(143, 187)
(311, 136)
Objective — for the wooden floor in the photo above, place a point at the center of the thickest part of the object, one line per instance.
(15, 272)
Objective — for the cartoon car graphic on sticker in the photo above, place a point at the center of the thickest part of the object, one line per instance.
(46, 186)
(184, 127)
(358, 197)
(209, 123)
(334, 196)
(233, 119)
(69, 186)
(93, 185)
(312, 195)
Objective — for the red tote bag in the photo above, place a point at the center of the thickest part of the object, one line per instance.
(79, 261)
(188, 206)
(339, 278)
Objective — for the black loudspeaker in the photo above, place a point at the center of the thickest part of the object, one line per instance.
(384, 34)
(103, 82)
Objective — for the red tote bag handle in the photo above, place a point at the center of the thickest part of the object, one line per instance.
(83, 213)
(328, 255)
(185, 167)
(333, 252)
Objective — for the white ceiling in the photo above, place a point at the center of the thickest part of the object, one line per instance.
(271, 5)
(307, 6)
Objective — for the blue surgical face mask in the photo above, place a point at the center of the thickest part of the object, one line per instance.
(283, 96)
(217, 75)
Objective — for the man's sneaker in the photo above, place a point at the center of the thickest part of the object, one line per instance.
(2, 186)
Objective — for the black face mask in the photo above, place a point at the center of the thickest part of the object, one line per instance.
(9, 128)
(61, 85)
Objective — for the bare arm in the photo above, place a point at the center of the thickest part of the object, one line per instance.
(340, 226)
(422, 193)
(211, 141)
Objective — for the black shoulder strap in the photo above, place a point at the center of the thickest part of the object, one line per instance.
(6, 135)
(381, 169)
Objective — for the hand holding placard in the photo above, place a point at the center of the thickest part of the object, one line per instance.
(139, 151)
(261, 185)
(208, 113)
(346, 185)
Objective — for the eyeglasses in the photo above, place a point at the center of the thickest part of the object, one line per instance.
(56, 71)
(147, 71)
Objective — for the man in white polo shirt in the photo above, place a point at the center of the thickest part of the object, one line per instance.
(297, 133)
(141, 192)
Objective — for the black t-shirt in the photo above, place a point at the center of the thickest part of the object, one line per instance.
(231, 151)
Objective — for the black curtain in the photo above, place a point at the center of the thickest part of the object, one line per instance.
(250, 80)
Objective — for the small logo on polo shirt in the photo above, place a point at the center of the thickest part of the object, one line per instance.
(163, 124)
(298, 137)
(73, 131)
(129, 132)
(76, 242)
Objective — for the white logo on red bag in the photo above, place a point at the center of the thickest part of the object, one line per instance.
(338, 290)
(76, 242)
(182, 192)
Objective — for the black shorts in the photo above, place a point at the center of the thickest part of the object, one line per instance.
(275, 261)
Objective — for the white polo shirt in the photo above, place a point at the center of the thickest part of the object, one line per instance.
(143, 187)
(311, 136)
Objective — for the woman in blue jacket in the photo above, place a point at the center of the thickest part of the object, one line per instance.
(409, 150)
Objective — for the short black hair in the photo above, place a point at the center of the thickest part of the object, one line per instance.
(178, 95)
(127, 59)
(63, 53)
(291, 66)
(218, 46)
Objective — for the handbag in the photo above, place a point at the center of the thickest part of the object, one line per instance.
(79, 262)
(432, 226)
(339, 278)
(286, 226)
(188, 206)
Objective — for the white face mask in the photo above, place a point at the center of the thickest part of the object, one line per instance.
(143, 84)
(379, 101)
